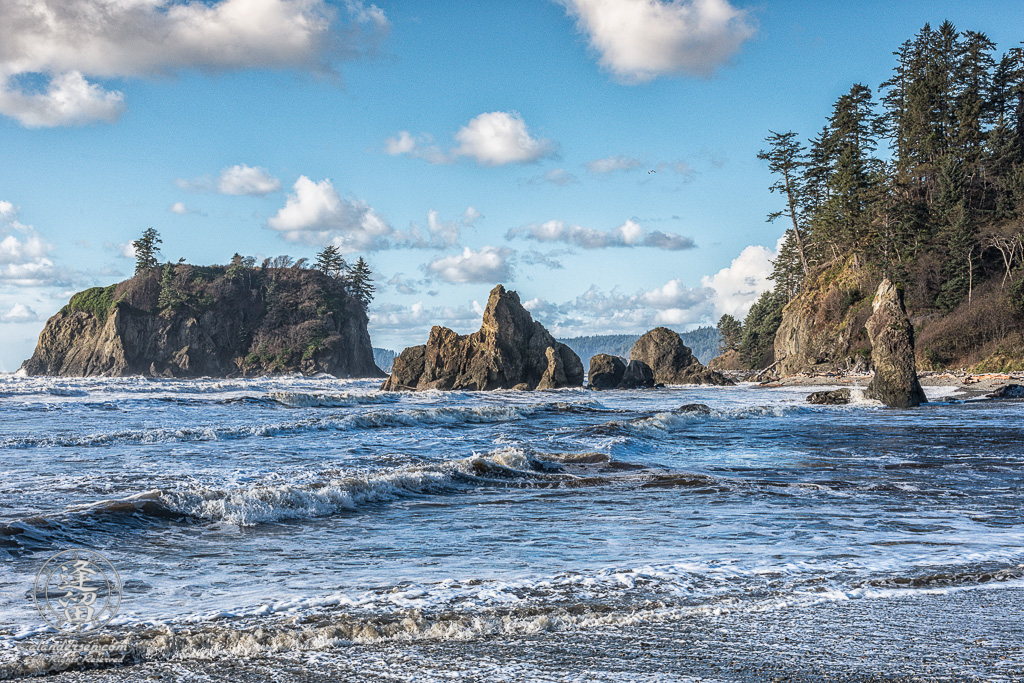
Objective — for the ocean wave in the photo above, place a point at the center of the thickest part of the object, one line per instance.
(304, 400)
(372, 419)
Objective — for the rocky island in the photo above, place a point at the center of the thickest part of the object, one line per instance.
(181, 320)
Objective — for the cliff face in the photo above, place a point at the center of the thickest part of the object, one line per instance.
(823, 327)
(511, 350)
(190, 321)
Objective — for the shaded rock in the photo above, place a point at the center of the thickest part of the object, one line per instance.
(895, 381)
(510, 351)
(823, 326)
(671, 360)
(1008, 391)
(193, 321)
(838, 397)
(730, 360)
(637, 375)
(605, 371)
(698, 408)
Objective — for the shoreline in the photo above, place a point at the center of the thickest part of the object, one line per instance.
(968, 385)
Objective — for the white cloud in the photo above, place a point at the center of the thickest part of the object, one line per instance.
(66, 40)
(179, 208)
(124, 250)
(615, 312)
(19, 313)
(498, 138)
(68, 100)
(440, 234)
(315, 214)
(486, 265)
(629, 234)
(612, 164)
(24, 254)
(247, 180)
(639, 40)
(492, 139)
(471, 216)
(737, 287)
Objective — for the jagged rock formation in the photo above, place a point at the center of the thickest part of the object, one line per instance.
(637, 375)
(822, 328)
(671, 361)
(192, 321)
(510, 351)
(892, 350)
(837, 397)
(605, 371)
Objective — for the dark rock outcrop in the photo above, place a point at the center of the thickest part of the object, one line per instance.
(895, 381)
(1008, 391)
(697, 408)
(192, 321)
(510, 351)
(605, 371)
(837, 397)
(637, 375)
(671, 361)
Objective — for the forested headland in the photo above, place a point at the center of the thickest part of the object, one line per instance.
(920, 181)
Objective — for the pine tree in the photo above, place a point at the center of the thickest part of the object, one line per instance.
(731, 331)
(330, 261)
(146, 249)
(360, 279)
(786, 159)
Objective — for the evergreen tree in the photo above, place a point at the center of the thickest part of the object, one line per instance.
(731, 331)
(361, 282)
(786, 160)
(330, 261)
(146, 249)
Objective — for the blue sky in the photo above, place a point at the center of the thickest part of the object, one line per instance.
(454, 145)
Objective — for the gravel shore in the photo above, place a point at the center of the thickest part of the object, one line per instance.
(965, 635)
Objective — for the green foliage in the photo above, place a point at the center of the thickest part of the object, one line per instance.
(762, 322)
(146, 249)
(1016, 297)
(731, 331)
(97, 301)
(330, 261)
(360, 280)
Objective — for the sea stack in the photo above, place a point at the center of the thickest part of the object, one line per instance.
(510, 351)
(605, 371)
(892, 351)
(671, 361)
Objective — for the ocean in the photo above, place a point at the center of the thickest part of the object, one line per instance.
(317, 529)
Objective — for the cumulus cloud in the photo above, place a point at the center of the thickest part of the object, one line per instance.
(440, 234)
(639, 40)
(315, 214)
(247, 180)
(612, 164)
(64, 41)
(629, 234)
(24, 254)
(487, 265)
(19, 313)
(615, 312)
(493, 138)
(738, 286)
(497, 138)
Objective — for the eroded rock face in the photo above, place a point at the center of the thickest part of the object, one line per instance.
(605, 371)
(637, 375)
(892, 350)
(671, 361)
(510, 351)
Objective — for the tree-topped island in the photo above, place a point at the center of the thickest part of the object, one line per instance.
(240, 319)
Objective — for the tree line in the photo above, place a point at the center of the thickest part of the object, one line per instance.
(357, 277)
(922, 183)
